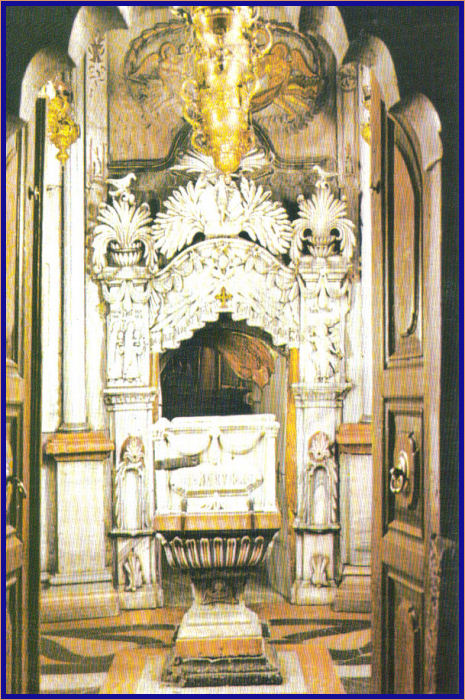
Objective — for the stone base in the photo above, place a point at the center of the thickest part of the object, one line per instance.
(220, 621)
(143, 599)
(304, 593)
(78, 602)
(262, 669)
(353, 595)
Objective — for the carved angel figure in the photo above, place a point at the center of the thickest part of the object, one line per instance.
(326, 352)
(290, 83)
(155, 67)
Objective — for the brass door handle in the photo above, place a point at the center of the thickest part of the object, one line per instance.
(399, 473)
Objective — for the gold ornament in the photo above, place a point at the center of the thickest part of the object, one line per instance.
(223, 297)
(217, 98)
(62, 129)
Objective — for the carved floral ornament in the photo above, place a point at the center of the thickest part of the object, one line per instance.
(217, 206)
(188, 282)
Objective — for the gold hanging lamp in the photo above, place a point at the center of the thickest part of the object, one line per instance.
(225, 52)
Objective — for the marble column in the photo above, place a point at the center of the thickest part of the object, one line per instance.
(319, 396)
(81, 582)
(74, 414)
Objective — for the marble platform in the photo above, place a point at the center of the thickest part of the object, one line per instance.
(294, 681)
(307, 670)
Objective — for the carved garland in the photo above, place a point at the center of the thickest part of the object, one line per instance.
(250, 280)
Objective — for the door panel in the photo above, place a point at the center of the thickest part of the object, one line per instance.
(407, 351)
(404, 461)
(403, 251)
(22, 424)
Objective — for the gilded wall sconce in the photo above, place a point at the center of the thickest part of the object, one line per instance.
(227, 43)
(62, 129)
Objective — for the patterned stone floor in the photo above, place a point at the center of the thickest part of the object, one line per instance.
(76, 656)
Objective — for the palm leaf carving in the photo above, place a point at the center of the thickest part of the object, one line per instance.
(264, 220)
(124, 225)
(176, 227)
(325, 217)
(221, 208)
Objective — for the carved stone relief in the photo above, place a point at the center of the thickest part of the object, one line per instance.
(218, 276)
(133, 574)
(322, 226)
(123, 236)
(319, 566)
(129, 487)
(319, 484)
(292, 75)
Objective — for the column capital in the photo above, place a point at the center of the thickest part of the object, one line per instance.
(122, 398)
(330, 396)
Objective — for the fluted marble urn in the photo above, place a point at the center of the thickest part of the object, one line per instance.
(219, 641)
(220, 520)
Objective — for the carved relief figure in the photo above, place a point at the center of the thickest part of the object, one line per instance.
(291, 81)
(326, 353)
(291, 76)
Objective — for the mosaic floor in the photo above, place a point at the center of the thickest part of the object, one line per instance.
(76, 656)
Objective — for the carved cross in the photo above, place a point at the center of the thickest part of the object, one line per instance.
(223, 297)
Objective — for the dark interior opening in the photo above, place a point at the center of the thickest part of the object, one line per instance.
(213, 373)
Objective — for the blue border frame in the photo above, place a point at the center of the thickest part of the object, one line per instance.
(460, 5)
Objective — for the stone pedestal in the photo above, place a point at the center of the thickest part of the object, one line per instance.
(81, 554)
(134, 548)
(219, 642)
(317, 562)
(317, 524)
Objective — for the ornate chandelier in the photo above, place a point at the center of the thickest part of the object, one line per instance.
(225, 50)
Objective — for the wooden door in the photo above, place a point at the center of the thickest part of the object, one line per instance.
(23, 179)
(407, 545)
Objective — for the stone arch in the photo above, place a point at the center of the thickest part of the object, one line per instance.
(219, 276)
(44, 66)
(50, 61)
(89, 21)
(372, 52)
(327, 22)
(419, 118)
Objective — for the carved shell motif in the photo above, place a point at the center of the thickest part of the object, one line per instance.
(323, 223)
